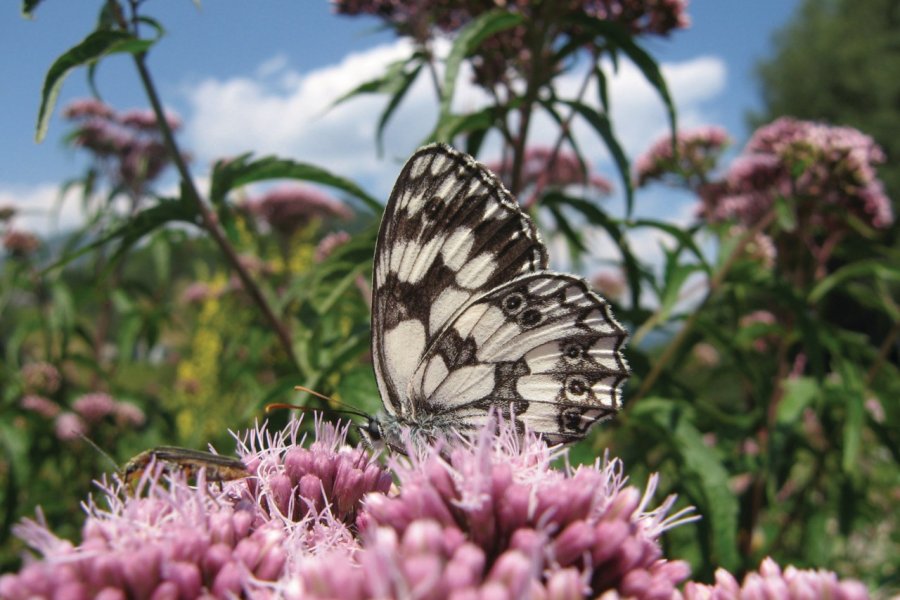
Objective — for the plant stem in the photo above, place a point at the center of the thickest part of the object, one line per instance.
(557, 146)
(210, 222)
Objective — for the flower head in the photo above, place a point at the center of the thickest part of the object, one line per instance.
(773, 582)
(482, 517)
(69, 426)
(40, 405)
(41, 377)
(494, 513)
(290, 207)
(544, 168)
(94, 406)
(829, 171)
(127, 145)
(329, 243)
(20, 243)
(509, 52)
(697, 153)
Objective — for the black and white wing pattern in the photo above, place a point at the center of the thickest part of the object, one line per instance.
(466, 317)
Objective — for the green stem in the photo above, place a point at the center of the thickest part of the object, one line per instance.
(210, 223)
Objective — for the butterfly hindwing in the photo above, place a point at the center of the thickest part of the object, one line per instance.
(450, 231)
(542, 345)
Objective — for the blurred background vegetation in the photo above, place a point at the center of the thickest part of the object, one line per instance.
(764, 349)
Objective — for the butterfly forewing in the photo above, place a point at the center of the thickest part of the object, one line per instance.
(450, 232)
(541, 345)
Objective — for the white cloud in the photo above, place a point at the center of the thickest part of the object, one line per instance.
(40, 209)
(277, 110)
(280, 111)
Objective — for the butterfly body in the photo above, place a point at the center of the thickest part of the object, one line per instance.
(468, 319)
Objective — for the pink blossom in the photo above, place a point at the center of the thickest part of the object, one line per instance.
(290, 207)
(773, 582)
(20, 243)
(542, 168)
(828, 172)
(509, 51)
(128, 413)
(87, 107)
(41, 377)
(698, 152)
(40, 405)
(610, 284)
(196, 293)
(497, 500)
(94, 406)
(303, 481)
(482, 517)
(146, 120)
(127, 146)
(759, 247)
(706, 354)
(329, 243)
(69, 426)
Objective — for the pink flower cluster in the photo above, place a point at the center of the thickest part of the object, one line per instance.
(510, 50)
(128, 143)
(41, 377)
(773, 582)
(487, 517)
(697, 152)
(495, 518)
(330, 243)
(829, 172)
(87, 411)
(288, 208)
(542, 168)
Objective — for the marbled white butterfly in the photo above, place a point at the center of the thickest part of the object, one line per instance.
(466, 317)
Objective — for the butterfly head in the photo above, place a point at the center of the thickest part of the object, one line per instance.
(384, 431)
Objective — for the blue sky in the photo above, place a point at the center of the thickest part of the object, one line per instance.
(258, 76)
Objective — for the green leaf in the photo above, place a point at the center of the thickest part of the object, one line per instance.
(566, 131)
(700, 470)
(28, 7)
(853, 397)
(576, 243)
(406, 81)
(136, 227)
(449, 126)
(873, 268)
(396, 81)
(622, 39)
(388, 83)
(240, 171)
(612, 227)
(467, 41)
(799, 392)
(676, 274)
(91, 49)
(603, 126)
(785, 214)
(684, 237)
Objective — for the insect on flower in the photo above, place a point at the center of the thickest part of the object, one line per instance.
(189, 462)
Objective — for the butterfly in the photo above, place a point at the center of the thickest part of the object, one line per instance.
(468, 320)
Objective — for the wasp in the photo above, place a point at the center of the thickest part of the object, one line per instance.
(183, 460)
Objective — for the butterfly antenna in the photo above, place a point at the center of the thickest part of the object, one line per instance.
(344, 408)
(100, 450)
